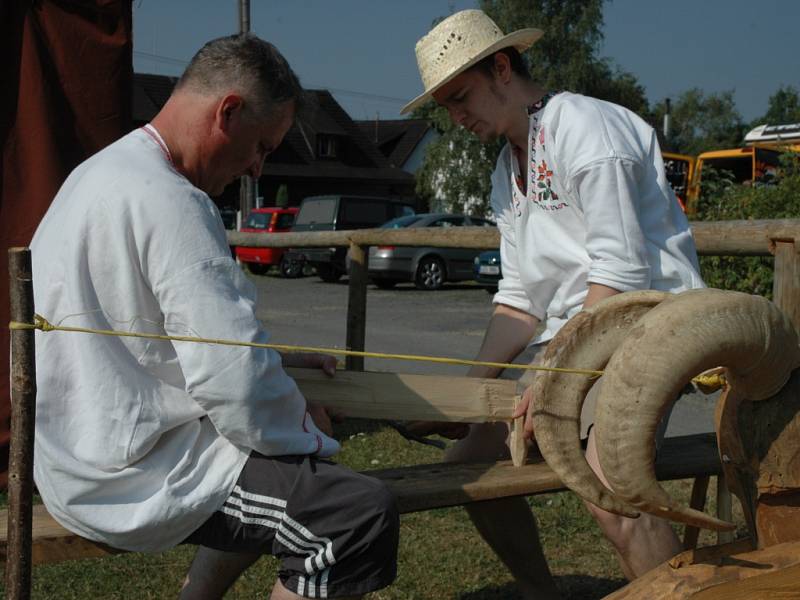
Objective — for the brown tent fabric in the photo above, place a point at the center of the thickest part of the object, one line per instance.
(66, 92)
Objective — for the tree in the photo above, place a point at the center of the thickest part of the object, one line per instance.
(457, 168)
(784, 107)
(701, 122)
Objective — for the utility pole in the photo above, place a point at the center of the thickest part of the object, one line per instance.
(247, 188)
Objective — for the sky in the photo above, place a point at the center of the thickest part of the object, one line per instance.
(363, 50)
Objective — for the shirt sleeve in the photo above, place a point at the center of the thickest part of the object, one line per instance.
(245, 391)
(510, 290)
(607, 193)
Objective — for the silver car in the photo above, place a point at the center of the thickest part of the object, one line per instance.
(428, 268)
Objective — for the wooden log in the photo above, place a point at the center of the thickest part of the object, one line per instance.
(357, 305)
(23, 416)
(481, 238)
(410, 397)
(786, 282)
(742, 238)
(713, 238)
(772, 572)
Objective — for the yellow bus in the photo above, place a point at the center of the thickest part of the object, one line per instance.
(748, 165)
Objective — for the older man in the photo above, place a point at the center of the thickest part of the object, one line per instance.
(585, 212)
(143, 445)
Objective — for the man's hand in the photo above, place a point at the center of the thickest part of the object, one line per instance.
(321, 417)
(310, 360)
(525, 407)
(452, 431)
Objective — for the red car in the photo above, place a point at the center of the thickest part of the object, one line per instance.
(265, 220)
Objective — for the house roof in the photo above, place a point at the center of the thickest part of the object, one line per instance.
(150, 93)
(357, 157)
(396, 138)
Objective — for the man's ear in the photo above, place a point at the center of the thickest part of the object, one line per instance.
(502, 67)
(229, 111)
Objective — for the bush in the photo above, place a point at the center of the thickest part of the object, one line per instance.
(722, 200)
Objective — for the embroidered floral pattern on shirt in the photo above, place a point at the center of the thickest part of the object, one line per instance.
(540, 190)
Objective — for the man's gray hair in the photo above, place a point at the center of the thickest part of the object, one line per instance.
(248, 65)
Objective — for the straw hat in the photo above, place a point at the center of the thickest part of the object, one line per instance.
(459, 42)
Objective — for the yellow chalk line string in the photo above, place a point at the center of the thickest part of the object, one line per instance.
(44, 325)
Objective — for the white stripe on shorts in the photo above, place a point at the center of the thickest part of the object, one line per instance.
(289, 532)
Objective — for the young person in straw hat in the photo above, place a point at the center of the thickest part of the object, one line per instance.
(585, 212)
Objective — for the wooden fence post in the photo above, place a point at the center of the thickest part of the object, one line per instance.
(357, 305)
(786, 284)
(23, 414)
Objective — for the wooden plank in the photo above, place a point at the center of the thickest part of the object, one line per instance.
(52, 543)
(786, 283)
(423, 487)
(23, 418)
(357, 305)
(420, 487)
(373, 395)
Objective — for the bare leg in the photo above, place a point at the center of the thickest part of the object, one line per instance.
(213, 572)
(641, 544)
(507, 525)
(281, 593)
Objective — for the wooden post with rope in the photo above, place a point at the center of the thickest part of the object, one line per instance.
(23, 415)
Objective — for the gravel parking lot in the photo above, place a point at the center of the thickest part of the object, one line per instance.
(449, 322)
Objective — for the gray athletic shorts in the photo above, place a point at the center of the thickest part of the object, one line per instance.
(334, 530)
(535, 355)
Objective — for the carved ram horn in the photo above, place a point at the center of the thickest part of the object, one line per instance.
(586, 341)
(694, 331)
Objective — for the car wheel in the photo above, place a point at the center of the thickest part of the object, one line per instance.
(430, 273)
(291, 268)
(385, 284)
(257, 268)
(328, 273)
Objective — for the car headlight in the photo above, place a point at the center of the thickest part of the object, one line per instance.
(477, 261)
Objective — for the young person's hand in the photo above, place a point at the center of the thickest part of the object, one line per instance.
(525, 408)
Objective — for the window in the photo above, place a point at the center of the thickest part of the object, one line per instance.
(448, 222)
(284, 220)
(258, 220)
(327, 146)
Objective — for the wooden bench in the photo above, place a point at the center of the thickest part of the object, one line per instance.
(353, 393)
(418, 488)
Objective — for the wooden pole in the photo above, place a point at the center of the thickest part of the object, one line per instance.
(786, 284)
(697, 502)
(23, 415)
(724, 509)
(247, 187)
(357, 305)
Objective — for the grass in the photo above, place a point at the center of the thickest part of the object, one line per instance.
(441, 555)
